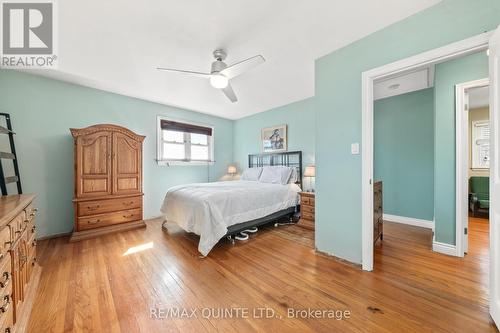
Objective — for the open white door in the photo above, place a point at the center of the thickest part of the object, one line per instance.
(465, 208)
(495, 177)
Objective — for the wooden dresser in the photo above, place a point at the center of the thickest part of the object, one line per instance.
(378, 212)
(18, 264)
(108, 180)
(307, 210)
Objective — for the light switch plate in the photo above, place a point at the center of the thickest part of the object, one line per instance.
(355, 148)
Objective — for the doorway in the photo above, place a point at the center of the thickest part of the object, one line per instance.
(469, 46)
(473, 159)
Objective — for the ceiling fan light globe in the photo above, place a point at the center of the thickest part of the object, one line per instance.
(219, 81)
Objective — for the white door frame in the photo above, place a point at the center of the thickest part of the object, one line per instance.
(451, 51)
(462, 160)
(494, 68)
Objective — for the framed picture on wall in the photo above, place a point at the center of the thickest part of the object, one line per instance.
(274, 139)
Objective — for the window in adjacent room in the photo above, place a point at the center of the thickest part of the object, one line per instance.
(181, 142)
(480, 145)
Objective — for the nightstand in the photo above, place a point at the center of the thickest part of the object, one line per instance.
(307, 204)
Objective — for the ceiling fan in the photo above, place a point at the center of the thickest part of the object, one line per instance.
(220, 73)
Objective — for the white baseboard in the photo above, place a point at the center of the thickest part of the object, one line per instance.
(410, 221)
(444, 248)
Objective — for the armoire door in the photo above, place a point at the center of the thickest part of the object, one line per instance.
(93, 164)
(127, 164)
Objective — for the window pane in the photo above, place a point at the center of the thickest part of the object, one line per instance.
(173, 151)
(199, 153)
(199, 139)
(173, 136)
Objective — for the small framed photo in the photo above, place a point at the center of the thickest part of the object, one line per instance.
(274, 139)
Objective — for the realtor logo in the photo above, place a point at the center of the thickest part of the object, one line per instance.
(28, 34)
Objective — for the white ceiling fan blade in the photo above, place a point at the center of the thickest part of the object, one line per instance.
(184, 72)
(229, 92)
(242, 66)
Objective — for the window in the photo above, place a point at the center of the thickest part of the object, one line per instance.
(480, 145)
(184, 143)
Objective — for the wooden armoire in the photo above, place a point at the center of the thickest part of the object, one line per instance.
(108, 180)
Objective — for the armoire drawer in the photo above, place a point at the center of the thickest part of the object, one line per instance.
(102, 220)
(86, 208)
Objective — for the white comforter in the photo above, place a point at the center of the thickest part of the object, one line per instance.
(208, 209)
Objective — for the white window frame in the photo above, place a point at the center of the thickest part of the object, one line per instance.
(169, 162)
(475, 147)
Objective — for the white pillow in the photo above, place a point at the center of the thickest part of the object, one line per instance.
(276, 174)
(251, 174)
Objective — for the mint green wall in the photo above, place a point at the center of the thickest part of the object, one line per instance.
(42, 112)
(404, 153)
(447, 75)
(299, 117)
(338, 109)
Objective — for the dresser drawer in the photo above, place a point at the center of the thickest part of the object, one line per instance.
(308, 224)
(31, 248)
(6, 276)
(5, 242)
(7, 317)
(307, 209)
(305, 200)
(307, 216)
(17, 225)
(102, 220)
(31, 232)
(86, 208)
(30, 212)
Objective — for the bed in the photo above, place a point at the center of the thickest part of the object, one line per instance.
(224, 209)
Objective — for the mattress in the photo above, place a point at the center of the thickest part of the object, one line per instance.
(208, 209)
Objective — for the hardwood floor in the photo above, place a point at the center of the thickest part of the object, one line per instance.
(110, 284)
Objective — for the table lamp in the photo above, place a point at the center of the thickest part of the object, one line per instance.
(310, 172)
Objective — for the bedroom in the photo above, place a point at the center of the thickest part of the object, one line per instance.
(107, 75)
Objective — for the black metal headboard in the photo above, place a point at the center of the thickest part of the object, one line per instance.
(286, 158)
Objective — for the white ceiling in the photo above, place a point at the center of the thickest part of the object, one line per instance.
(479, 97)
(115, 45)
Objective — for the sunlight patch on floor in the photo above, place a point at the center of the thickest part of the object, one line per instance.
(139, 248)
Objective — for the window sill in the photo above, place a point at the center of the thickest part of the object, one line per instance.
(186, 163)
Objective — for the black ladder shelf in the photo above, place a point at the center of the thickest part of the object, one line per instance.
(9, 156)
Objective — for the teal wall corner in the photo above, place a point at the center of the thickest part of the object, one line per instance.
(449, 74)
(404, 153)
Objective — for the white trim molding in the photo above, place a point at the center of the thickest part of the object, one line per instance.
(462, 160)
(410, 221)
(444, 248)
